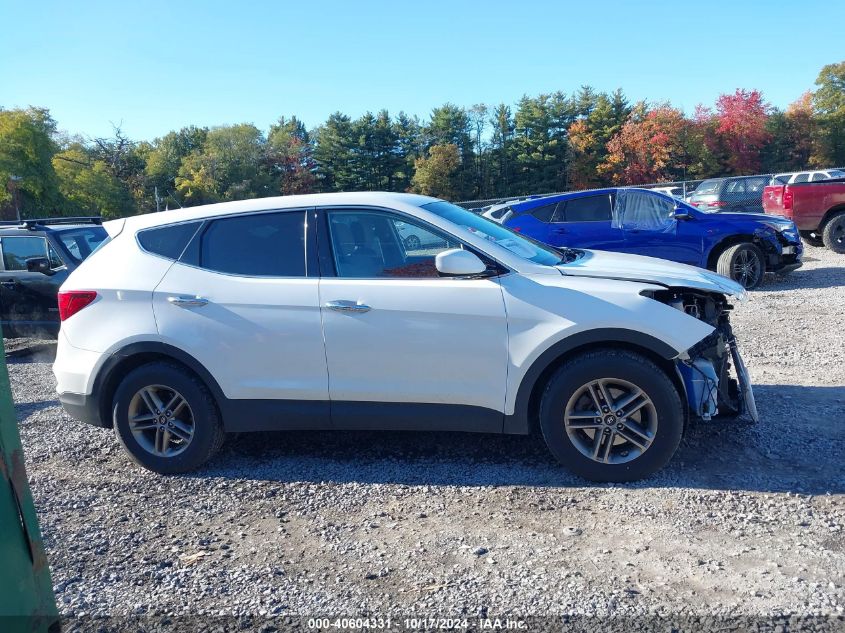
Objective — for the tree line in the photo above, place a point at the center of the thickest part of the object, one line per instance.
(546, 143)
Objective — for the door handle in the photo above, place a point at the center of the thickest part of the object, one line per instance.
(188, 302)
(348, 306)
(11, 284)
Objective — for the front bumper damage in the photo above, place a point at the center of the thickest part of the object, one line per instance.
(714, 375)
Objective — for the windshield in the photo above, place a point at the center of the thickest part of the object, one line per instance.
(80, 243)
(496, 233)
(836, 173)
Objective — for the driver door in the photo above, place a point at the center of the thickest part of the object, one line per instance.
(650, 228)
(28, 304)
(406, 348)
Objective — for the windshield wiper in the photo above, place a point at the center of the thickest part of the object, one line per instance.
(569, 254)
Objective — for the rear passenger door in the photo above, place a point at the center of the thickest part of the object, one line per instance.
(586, 222)
(28, 303)
(242, 299)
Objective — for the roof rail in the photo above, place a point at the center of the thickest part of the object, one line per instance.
(31, 223)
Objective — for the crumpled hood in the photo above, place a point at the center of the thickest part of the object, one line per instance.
(608, 265)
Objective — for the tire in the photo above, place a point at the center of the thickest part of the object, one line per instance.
(744, 263)
(660, 424)
(197, 419)
(834, 233)
(812, 238)
(412, 242)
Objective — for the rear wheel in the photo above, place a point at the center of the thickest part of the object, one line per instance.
(611, 415)
(744, 263)
(834, 233)
(166, 419)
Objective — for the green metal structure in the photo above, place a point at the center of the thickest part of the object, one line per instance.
(27, 602)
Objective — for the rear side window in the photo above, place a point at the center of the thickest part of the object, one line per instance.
(544, 213)
(168, 241)
(755, 185)
(802, 178)
(588, 209)
(263, 245)
(708, 186)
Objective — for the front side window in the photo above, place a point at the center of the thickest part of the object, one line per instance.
(588, 209)
(802, 178)
(261, 245)
(373, 245)
(644, 211)
(17, 250)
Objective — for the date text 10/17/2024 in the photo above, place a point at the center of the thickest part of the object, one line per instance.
(417, 624)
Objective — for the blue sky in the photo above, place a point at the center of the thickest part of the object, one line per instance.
(158, 65)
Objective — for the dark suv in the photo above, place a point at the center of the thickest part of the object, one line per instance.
(743, 193)
(36, 258)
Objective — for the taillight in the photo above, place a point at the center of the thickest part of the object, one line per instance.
(73, 301)
(717, 203)
(787, 199)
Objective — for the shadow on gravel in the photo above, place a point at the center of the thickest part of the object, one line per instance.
(831, 277)
(799, 446)
(28, 350)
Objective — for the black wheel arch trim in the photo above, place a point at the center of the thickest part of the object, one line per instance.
(520, 423)
(104, 378)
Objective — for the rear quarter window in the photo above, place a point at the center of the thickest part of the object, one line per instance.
(168, 241)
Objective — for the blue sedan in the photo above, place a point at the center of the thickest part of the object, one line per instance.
(742, 246)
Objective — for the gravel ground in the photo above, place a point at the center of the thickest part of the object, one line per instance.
(745, 521)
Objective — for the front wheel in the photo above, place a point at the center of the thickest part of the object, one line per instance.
(166, 418)
(834, 233)
(611, 415)
(744, 263)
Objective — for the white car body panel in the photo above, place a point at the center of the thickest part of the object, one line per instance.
(260, 337)
(545, 310)
(425, 340)
(608, 265)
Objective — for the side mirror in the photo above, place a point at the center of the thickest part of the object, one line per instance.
(458, 263)
(38, 265)
(681, 214)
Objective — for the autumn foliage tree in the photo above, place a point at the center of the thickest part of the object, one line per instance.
(648, 148)
(740, 130)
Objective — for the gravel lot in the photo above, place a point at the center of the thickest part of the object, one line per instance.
(746, 520)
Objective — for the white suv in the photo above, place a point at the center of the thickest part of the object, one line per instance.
(312, 312)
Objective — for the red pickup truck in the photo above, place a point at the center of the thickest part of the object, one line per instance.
(817, 208)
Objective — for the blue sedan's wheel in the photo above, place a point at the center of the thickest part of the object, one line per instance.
(744, 263)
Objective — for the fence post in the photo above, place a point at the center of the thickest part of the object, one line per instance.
(27, 602)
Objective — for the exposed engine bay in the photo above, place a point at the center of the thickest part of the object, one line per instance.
(706, 367)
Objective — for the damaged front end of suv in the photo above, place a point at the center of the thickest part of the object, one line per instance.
(713, 372)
